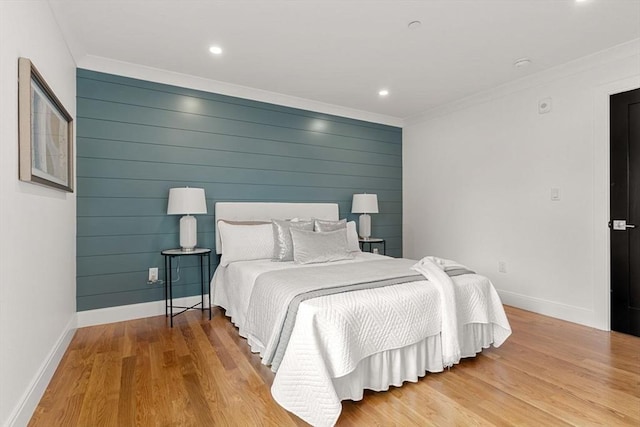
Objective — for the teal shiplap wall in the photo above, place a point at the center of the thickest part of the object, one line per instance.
(137, 139)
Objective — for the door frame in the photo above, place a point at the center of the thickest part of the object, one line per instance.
(601, 194)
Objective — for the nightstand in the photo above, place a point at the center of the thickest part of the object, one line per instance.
(371, 241)
(169, 255)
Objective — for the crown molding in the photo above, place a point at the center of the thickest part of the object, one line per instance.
(621, 51)
(127, 69)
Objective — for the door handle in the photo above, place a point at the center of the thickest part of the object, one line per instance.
(620, 224)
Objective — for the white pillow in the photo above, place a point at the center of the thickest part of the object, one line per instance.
(353, 245)
(313, 247)
(352, 234)
(282, 243)
(245, 242)
(322, 225)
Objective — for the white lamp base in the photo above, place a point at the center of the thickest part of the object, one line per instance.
(365, 226)
(188, 233)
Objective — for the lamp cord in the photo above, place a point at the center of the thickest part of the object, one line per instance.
(177, 279)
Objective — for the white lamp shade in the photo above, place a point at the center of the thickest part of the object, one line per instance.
(365, 203)
(185, 201)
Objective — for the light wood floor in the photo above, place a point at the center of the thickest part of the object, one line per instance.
(201, 373)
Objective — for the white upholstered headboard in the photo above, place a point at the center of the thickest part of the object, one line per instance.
(254, 211)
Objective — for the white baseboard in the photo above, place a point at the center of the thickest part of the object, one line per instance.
(561, 311)
(121, 313)
(31, 397)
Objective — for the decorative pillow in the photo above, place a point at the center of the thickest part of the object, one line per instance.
(353, 244)
(352, 233)
(282, 243)
(245, 242)
(228, 221)
(313, 247)
(322, 225)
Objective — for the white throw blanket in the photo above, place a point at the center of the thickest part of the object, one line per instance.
(433, 269)
(445, 264)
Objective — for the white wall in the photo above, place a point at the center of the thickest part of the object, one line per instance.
(478, 176)
(37, 224)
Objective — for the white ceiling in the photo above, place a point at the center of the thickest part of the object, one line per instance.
(343, 52)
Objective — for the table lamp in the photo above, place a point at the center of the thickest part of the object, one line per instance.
(365, 204)
(186, 201)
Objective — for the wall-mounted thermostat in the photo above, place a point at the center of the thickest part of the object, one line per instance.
(544, 105)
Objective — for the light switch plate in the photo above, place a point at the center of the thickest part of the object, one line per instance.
(502, 266)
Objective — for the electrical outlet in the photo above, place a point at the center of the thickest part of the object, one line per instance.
(502, 266)
(153, 274)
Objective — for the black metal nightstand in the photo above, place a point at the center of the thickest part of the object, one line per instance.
(169, 255)
(372, 240)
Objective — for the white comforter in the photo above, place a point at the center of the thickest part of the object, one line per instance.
(275, 290)
(333, 334)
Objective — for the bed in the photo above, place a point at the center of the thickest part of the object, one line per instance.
(332, 326)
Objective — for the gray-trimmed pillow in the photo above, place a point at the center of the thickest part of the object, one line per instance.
(313, 247)
(282, 243)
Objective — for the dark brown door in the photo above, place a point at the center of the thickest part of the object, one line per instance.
(625, 212)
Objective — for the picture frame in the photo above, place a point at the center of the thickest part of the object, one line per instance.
(45, 132)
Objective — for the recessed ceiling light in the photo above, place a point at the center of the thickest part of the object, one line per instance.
(414, 25)
(383, 92)
(522, 62)
(216, 50)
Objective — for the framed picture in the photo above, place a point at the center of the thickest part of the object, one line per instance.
(45, 132)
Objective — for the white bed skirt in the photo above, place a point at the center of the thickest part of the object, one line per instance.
(393, 367)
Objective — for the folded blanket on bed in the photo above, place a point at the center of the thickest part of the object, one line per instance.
(445, 264)
(433, 269)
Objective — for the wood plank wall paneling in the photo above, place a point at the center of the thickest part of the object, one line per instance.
(137, 139)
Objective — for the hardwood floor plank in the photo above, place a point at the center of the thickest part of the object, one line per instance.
(111, 389)
(484, 400)
(126, 402)
(197, 399)
(143, 381)
(163, 367)
(574, 380)
(201, 372)
(353, 414)
(91, 412)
